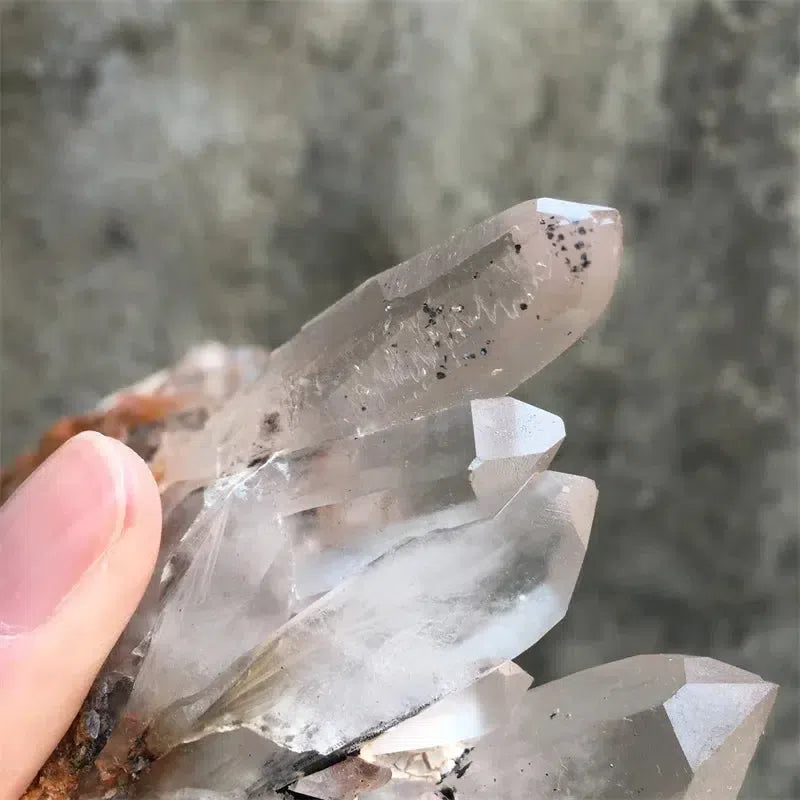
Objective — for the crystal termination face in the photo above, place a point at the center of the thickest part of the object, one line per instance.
(650, 726)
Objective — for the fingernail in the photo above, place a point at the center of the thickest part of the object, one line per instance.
(57, 524)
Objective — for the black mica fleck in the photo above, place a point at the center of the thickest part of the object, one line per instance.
(271, 423)
(432, 313)
(460, 771)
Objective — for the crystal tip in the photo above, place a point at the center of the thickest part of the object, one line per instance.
(574, 212)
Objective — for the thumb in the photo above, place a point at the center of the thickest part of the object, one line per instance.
(78, 541)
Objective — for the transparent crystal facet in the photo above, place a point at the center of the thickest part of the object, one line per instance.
(470, 318)
(646, 727)
(425, 620)
(275, 538)
(458, 718)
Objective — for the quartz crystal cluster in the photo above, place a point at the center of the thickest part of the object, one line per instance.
(362, 530)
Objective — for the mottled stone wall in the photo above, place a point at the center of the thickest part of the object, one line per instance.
(184, 170)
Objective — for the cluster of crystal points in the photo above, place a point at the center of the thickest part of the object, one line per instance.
(359, 540)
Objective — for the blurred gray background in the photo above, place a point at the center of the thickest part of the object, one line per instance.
(177, 171)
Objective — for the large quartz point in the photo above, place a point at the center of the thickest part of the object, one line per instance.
(649, 727)
(283, 533)
(470, 318)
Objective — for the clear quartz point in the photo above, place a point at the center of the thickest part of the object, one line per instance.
(456, 719)
(427, 619)
(275, 538)
(654, 726)
(470, 318)
(207, 375)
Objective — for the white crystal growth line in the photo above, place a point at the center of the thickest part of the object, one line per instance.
(426, 619)
(274, 539)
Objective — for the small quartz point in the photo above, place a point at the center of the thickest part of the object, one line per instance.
(653, 726)
(409, 790)
(224, 765)
(425, 620)
(440, 471)
(470, 318)
(346, 780)
(277, 537)
(456, 719)
(206, 376)
(433, 743)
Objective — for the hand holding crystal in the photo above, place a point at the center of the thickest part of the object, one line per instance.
(78, 541)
